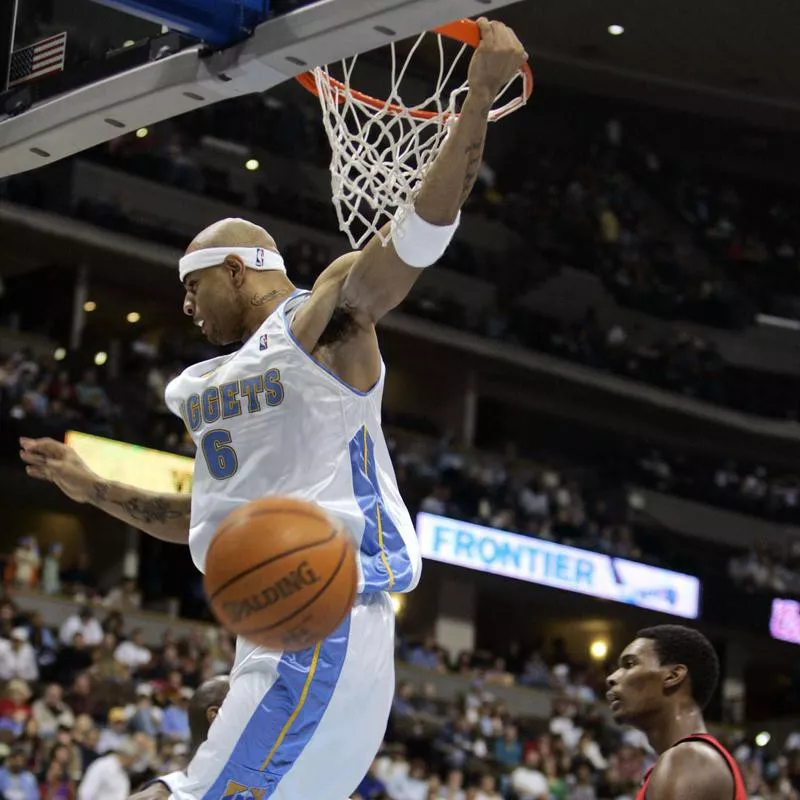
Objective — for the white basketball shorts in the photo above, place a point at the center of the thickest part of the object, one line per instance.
(300, 726)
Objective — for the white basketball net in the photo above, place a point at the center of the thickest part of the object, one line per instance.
(380, 155)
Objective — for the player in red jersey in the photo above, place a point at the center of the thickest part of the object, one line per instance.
(664, 680)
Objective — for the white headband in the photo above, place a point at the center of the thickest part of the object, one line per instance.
(253, 257)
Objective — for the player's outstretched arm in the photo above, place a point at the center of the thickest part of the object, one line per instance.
(164, 516)
(368, 284)
(382, 277)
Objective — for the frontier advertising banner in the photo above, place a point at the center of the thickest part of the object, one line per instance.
(562, 567)
(146, 469)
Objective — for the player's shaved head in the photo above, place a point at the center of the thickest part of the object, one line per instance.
(204, 706)
(229, 300)
(232, 232)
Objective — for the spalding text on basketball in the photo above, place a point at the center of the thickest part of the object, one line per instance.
(291, 583)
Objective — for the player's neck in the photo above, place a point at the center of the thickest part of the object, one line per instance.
(263, 301)
(672, 724)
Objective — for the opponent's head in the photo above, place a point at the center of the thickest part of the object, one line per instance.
(226, 268)
(663, 665)
(204, 707)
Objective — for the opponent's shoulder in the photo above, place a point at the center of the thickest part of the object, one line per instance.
(691, 771)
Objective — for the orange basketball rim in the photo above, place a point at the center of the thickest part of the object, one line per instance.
(465, 31)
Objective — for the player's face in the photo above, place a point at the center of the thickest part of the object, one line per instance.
(214, 305)
(635, 688)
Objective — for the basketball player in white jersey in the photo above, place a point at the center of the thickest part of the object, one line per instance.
(296, 411)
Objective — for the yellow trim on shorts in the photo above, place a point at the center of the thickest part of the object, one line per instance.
(384, 559)
(298, 708)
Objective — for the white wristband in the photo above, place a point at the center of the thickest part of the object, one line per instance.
(418, 243)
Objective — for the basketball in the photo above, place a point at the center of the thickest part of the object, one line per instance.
(281, 573)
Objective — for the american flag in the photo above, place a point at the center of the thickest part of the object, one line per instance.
(38, 59)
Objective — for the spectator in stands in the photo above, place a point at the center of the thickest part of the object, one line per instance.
(51, 712)
(86, 738)
(16, 782)
(528, 781)
(535, 673)
(583, 788)
(25, 564)
(8, 618)
(15, 706)
(73, 659)
(438, 501)
(168, 662)
(57, 785)
(67, 751)
(453, 788)
(43, 643)
(94, 403)
(425, 655)
(146, 717)
(175, 723)
(508, 749)
(84, 623)
(115, 731)
(79, 698)
(498, 674)
(589, 749)
(17, 657)
(402, 705)
(107, 777)
(488, 789)
(114, 623)
(125, 597)
(132, 653)
(51, 570)
(106, 666)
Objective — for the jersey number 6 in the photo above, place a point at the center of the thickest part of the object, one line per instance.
(220, 457)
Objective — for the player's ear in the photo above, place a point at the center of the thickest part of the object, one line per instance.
(675, 676)
(236, 269)
(211, 713)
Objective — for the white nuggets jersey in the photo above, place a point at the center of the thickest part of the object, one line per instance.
(271, 420)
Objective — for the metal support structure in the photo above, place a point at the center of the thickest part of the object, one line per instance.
(278, 50)
(8, 27)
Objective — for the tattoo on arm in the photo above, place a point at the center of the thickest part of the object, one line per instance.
(145, 510)
(474, 152)
(152, 510)
(99, 492)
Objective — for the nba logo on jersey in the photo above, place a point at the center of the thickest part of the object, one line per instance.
(263, 342)
(259, 256)
(238, 791)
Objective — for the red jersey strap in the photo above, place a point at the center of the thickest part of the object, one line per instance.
(739, 793)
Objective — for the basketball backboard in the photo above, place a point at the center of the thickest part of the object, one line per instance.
(165, 77)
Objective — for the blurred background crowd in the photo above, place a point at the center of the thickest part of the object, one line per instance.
(92, 692)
